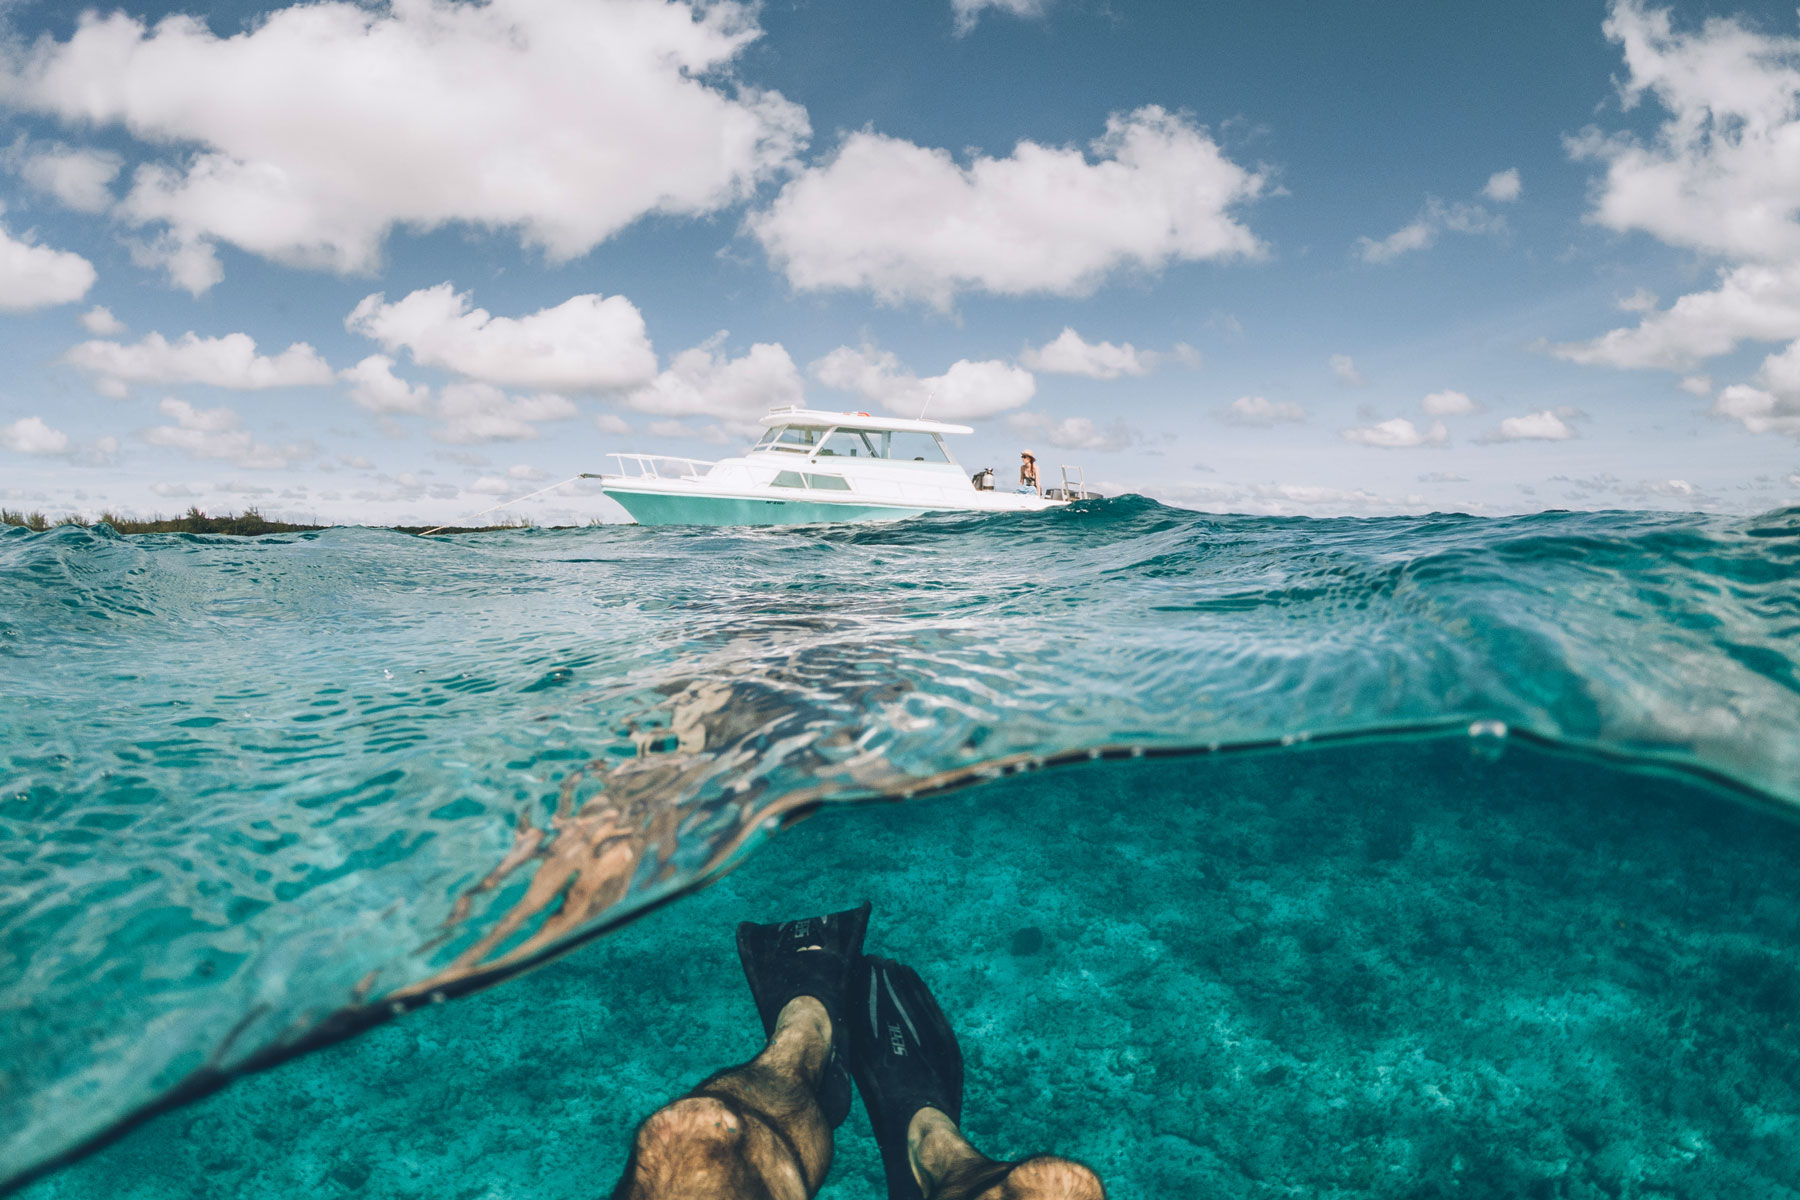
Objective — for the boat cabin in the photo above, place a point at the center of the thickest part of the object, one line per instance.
(889, 440)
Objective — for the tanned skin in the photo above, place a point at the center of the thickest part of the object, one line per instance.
(755, 1132)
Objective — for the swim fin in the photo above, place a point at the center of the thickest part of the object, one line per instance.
(905, 1058)
(817, 957)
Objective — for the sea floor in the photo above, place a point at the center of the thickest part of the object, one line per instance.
(1400, 970)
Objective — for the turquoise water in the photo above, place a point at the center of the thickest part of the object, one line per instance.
(1529, 927)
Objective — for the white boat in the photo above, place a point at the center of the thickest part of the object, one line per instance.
(812, 466)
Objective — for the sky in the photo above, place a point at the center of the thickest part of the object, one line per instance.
(401, 262)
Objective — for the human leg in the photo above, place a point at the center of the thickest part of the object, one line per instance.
(910, 1072)
(762, 1131)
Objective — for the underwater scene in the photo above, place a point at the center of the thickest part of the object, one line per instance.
(1399, 857)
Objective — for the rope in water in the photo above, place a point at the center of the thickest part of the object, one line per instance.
(504, 504)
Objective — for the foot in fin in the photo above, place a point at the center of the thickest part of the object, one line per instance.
(905, 1058)
(817, 957)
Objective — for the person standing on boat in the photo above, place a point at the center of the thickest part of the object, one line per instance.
(1028, 476)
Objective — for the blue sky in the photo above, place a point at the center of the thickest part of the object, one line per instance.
(399, 262)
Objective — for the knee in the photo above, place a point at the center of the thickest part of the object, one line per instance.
(697, 1138)
(1049, 1178)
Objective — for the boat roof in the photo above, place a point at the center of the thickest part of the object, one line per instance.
(793, 414)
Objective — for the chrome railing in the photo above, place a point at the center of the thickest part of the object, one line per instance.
(652, 466)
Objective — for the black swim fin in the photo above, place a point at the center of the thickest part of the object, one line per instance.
(817, 957)
(905, 1058)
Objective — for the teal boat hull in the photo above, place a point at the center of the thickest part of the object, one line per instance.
(662, 508)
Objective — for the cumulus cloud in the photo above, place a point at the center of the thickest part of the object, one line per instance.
(1076, 433)
(1722, 171)
(29, 435)
(100, 322)
(612, 423)
(1720, 174)
(907, 222)
(1397, 434)
(1261, 411)
(705, 382)
(1773, 405)
(308, 137)
(968, 12)
(1448, 404)
(1751, 303)
(1072, 354)
(225, 362)
(587, 343)
(374, 386)
(1504, 187)
(188, 262)
(34, 276)
(215, 433)
(481, 412)
(1423, 231)
(78, 178)
(1640, 301)
(967, 391)
(1344, 367)
(1543, 426)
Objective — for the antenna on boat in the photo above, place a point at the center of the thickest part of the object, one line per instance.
(929, 397)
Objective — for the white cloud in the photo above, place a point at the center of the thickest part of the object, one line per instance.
(527, 472)
(1282, 499)
(34, 276)
(1448, 404)
(1641, 301)
(1751, 303)
(189, 263)
(1397, 434)
(1443, 477)
(1504, 187)
(173, 491)
(308, 137)
(1719, 174)
(1422, 233)
(968, 12)
(225, 362)
(481, 412)
(612, 423)
(967, 391)
(704, 382)
(29, 435)
(909, 223)
(100, 322)
(1071, 354)
(80, 179)
(1260, 411)
(1544, 426)
(489, 485)
(1076, 433)
(214, 433)
(1722, 171)
(1344, 367)
(374, 386)
(586, 343)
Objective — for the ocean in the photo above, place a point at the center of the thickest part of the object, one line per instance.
(1424, 856)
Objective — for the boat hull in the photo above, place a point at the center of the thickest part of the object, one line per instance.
(665, 508)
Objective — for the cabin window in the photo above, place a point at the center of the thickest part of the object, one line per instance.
(789, 479)
(829, 483)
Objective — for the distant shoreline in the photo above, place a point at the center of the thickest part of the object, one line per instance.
(249, 523)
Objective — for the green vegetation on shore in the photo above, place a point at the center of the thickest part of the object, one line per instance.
(250, 523)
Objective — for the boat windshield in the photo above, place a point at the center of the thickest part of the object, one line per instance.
(898, 446)
(884, 443)
(800, 439)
